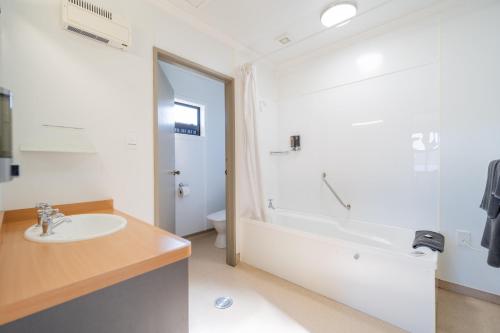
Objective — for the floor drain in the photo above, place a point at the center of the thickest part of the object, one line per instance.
(223, 302)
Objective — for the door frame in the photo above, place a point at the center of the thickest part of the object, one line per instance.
(229, 92)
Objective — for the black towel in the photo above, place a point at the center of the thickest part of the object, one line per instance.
(491, 204)
(491, 197)
(430, 239)
(491, 241)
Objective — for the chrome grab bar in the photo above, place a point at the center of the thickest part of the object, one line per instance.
(346, 206)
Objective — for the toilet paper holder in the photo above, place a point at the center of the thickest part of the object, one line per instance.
(183, 190)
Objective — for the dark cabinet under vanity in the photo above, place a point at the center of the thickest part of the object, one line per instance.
(154, 302)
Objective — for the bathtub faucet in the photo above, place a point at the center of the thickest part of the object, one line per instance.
(270, 205)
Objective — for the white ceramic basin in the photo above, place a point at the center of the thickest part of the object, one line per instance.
(81, 227)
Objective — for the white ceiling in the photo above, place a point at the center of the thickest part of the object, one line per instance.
(257, 24)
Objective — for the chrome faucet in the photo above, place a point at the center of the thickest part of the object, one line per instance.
(41, 208)
(51, 219)
(270, 205)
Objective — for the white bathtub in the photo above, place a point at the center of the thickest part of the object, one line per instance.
(370, 267)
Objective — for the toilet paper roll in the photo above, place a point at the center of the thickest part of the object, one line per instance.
(184, 190)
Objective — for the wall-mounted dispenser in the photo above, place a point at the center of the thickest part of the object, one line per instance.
(7, 170)
(294, 146)
(295, 142)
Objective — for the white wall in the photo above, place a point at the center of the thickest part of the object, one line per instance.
(201, 160)
(426, 80)
(379, 169)
(470, 138)
(58, 77)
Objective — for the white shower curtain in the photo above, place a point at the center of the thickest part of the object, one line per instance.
(256, 204)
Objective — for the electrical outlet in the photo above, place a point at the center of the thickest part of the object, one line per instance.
(463, 238)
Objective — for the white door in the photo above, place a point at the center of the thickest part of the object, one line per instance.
(190, 157)
(166, 152)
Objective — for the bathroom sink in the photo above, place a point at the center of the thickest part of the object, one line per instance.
(81, 227)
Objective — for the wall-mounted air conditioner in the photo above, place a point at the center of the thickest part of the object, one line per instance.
(95, 22)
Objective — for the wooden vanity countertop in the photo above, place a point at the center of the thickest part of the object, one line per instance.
(36, 276)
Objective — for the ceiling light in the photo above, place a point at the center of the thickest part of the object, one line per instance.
(339, 13)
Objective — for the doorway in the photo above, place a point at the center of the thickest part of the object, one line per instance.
(190, 183)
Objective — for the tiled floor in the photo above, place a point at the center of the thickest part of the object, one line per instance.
(462, 314)
(264, 303)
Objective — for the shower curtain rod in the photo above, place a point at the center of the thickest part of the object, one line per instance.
(317, 33)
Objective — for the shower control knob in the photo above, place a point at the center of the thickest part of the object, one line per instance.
(175, 172)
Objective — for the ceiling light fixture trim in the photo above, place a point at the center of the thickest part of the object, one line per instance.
(339, 14)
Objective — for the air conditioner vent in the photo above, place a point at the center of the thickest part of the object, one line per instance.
(88, 34)
(92, 21)
(93, 8)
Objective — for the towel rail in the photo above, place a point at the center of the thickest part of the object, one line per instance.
(346, 206)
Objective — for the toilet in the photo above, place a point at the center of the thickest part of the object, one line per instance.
(218, 219)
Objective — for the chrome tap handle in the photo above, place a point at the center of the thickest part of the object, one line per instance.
(41, 207)
(55, 217)
(45, 223)
(52, 211)
(47, 220)
(270, 205)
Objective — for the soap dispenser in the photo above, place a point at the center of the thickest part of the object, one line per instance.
(295, 142)
(7, 170)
